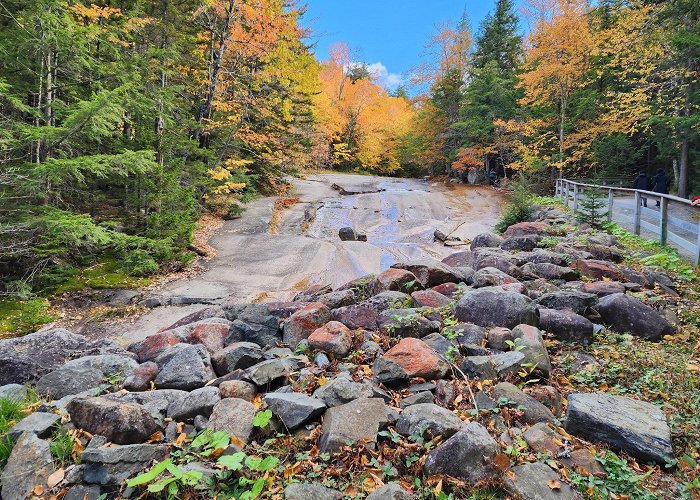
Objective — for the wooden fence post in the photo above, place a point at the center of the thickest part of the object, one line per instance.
(637, 213)
(575, 207)
(697, 248)
(611, 198)
(566, 193)
(663, 223)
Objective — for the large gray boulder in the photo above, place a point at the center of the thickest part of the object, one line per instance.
(28, 466)
(305, 491)
(627, 314)
(469, 455)
(578, 302)
(492, 367)
(198, 402)
(428, 418)
(68, 380)
(342, 389)
(189, 368)
(253, 323)
(295, 408)
(533, 411)
(237, 355)
(233, 416)
(486, 307)
(121, 423)
(626, 424)
(25, 359)
(530, 343)
(566, 326)
(114, 465)
(531, 481)
(351, 422)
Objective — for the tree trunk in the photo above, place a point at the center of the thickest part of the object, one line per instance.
(683, 170)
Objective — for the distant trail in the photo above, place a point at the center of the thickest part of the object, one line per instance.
(399, 219)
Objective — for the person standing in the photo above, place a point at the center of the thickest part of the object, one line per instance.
(661, 183)
(642, 182)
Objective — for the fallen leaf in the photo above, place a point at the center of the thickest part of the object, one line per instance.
(38, 490)
(693, 367)
(56, 478)
(554, 484)
(438, 489)
(502, 462)
(238, 442)
(180, 439)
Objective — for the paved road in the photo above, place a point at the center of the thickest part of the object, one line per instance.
(399, 218)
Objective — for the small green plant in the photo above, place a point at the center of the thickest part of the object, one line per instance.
(262, 418)
(173, 480)
(591, 208)
(619, 481)
(520, 208)
(549, 241)
(62, 446)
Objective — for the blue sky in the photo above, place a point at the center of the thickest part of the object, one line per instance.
(390, 35)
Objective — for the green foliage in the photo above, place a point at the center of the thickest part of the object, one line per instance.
(520, 208)
(19, 317)
(590, 207)
(62, 446)
(11, 412)
(262, 418)
(619, 480)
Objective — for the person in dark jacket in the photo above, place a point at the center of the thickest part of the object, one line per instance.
(642, 182)
(661, 183)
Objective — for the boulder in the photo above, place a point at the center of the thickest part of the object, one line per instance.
(417, 359)
(239, 355)
(627, 314)
(468, 455)
(486, 307)
(189, 368)
(357, 316)
(543, 439)
(238, 389)
(486, 240)
(389, 372)
(533, 410)
(635, 427)
(40, 423)
(572, 300)
(351, 422)
(417, 398)
(599, 270)
(304, 322)
(339, 298)
(271, 370)
(142, 376)
(522, 243)
(548, 396)
(154, 345)
(430, 298)
(390, 491)
(529, 340)
(114, 465)
(550, 271)
(341, 390)
(198, 402)
(388, 300)
(603, 288)
(333, 337)
(255, 323)
(399, 280)
(407, 323)
(490, 276)
(28, 466)
(210, 335)
(493, 367)
(430, 272)
(156, 402)
(347, 234)
(233, 416)
(302, 491)
(14, 392)
(121, 423)
(68, 380)
(27, 358)
(531, 481)
(428, 418)
(294, 409)
(566, 326)
(498, 338)
(527, 228)
(459, 259)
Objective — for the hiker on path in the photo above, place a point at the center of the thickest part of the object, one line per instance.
(642, 182)
(660, 182)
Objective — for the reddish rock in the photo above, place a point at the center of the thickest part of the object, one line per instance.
(548, 396)
(460, 259)
(498, 337)
(304, 322)
(333, 337)
(598, 269)
(584, 462)
(603, 288)
(141, 378)
(154, 345)
(430, 298)
(399, 280)
(357, 316)
(206, 313)
(527, 228)
(238, 389)
(447, 289)
(210, 335)
(418, 359)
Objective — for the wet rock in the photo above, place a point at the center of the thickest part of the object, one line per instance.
(635, 427)
(490, 276)
(627, 314)
(68, 380)
(121, 423)
(599, 270)
(531, 482)
(572, 300)
(417, 359)
(468, 455)
(407, 323)
(28, 466)
(566, 326)
(114, 465)
(304, 322)
(417, 398)
(486, 240)
(485, 307)
(341, 390)
(294, 409)
(333, 337)
(233, 416)
(351, 422)
(188, 369)
(390, 491)
(533, 410)
(389, 372)
(198, 402)
(27, 358)
(550, 271)
(239, 355)
(428, 418)
(15, 392)
(301, 491)
(40, 423)
(430, 298)
(271, 370)
(357, 316)
(399, 280)
(238, 389)
(529, 340)
(210, 335)
(142, 376)
(523, 243)
(527, 228)
(430, 272)
(498, 338)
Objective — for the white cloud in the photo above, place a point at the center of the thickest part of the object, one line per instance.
(382, 76)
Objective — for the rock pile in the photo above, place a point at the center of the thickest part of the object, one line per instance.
(386, 352)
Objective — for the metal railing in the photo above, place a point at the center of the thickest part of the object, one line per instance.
(675, 221)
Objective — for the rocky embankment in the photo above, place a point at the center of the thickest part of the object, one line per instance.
(437, 350)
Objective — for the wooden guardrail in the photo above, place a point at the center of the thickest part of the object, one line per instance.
(680, 228)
